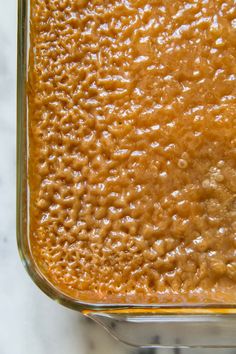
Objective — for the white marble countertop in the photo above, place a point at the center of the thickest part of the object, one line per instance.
(31, 323)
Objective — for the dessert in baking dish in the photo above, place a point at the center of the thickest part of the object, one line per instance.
(132, 149)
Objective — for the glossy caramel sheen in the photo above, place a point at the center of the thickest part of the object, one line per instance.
(132, 135)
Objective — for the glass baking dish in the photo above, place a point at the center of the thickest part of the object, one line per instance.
(139, 325)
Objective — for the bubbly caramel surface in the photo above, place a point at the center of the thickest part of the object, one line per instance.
(132, 136)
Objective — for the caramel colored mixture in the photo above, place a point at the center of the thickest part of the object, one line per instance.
(132, 149)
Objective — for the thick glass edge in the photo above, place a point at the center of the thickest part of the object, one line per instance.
(172, 331)
(20, 115)
(22, 237)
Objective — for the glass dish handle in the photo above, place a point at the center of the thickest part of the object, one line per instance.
(183, 331)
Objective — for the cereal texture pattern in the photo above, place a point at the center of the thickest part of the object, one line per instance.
(132, 141)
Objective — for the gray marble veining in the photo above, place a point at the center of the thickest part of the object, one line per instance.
(31, 323)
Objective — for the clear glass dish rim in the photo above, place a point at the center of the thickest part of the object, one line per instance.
(21, 218)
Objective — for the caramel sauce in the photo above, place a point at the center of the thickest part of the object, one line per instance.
(132, 141)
